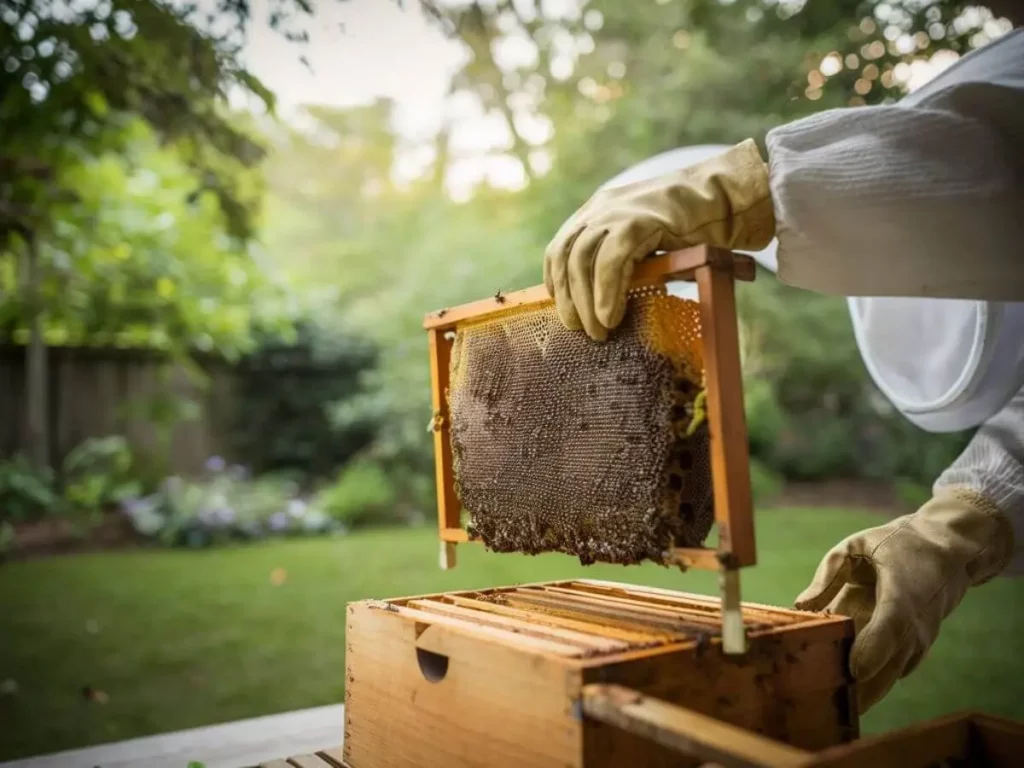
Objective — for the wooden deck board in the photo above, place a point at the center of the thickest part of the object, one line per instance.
(333, 756)
(242, 744)
(307, 761)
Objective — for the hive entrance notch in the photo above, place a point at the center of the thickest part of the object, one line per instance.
(620, 451)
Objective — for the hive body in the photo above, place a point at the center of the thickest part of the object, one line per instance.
(493, 677)
(593, 449)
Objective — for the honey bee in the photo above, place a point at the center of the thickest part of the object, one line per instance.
(700, 413)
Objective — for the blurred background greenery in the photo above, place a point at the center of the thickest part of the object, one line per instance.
(221, 224)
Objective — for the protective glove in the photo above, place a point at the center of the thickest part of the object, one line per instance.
(900, 580)
(722, 202)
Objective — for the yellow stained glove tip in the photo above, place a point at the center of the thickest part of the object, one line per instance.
(582, 288)
(567, 314)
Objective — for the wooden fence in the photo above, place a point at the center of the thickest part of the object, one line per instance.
(100, 392)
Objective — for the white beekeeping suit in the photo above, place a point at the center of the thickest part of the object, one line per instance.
(916, 212)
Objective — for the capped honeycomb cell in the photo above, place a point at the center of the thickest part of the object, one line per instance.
(595, 449)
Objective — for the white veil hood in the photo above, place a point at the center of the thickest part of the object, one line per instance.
(946, 364)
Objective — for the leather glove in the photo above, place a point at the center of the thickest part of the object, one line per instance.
(900, 580)
(723, 201)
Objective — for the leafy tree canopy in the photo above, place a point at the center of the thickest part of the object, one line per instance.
(124, 162)
(73, 72)
(139, 258)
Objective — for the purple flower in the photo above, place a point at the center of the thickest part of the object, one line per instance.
(225, 515)
(215, 464)
(129, 506)
(207, 516)
(216, 516)
(278, 521)
(296, 507)
(135, 507)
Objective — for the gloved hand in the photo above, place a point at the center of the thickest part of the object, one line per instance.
(900, 580)
(723, 202)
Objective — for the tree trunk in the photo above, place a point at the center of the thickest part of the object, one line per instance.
(36, 389)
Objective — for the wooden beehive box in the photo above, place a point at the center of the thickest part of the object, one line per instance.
(494, 677)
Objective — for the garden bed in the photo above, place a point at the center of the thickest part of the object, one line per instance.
(60, 536)
(104, 508)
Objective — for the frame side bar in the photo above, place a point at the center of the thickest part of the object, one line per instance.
(448, 508)
(730, 471)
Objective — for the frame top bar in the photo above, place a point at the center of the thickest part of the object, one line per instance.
(675, 265)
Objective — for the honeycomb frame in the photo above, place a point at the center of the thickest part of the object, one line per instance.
(715, 272)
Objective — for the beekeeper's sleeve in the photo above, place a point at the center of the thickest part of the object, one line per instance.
(921, 198)
(993, 465)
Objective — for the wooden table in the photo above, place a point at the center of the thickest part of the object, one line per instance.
(313, 735)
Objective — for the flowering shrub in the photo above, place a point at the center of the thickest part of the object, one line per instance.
(224, 505)
(362, 494)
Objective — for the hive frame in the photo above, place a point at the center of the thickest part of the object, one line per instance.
(715, 271)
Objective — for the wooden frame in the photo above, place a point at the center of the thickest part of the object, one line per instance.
(715, 271)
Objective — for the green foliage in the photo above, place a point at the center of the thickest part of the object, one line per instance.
(284, 396)
(164, 410)
(362, 494)
(765, 483)
(98, 474)
(139, 260)
(895, 448)
(73, 74)
(95, 476)
(26, 492)
(6, 537)
(765, 418)
(912, 495)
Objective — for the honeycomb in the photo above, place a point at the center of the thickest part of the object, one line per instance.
(563, 444)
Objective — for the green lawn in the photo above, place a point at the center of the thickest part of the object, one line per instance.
(179, 639)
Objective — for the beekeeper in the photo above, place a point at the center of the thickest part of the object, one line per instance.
(917, 211)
